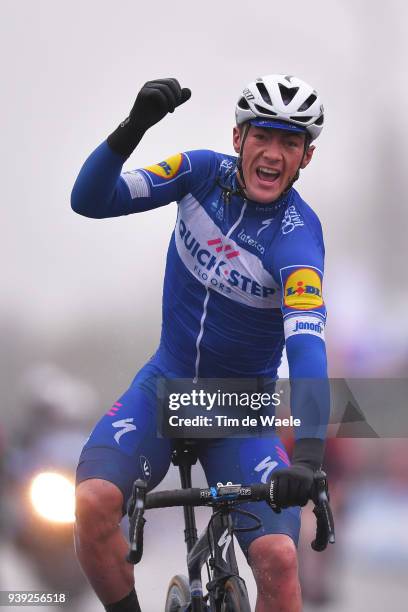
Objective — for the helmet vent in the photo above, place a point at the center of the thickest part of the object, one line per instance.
(265, 111)
(308, 103)
(243, 104)
(287, 93)
(320, 120)
(264, 93)
(302, 119)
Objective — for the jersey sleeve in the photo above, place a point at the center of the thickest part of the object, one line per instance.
(103, 190)
(298, 267)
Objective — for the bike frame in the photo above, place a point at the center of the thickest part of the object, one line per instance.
(216, 539)
(215, 544)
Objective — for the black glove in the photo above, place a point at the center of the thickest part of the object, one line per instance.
(292, 486)
(153, 102)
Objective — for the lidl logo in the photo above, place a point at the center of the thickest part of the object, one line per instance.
(168, 168)
(303, 289)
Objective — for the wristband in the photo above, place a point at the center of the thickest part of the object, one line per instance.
(126, 137)
(309, 451)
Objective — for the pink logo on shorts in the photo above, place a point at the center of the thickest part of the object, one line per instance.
(114, 409)
(282, 455)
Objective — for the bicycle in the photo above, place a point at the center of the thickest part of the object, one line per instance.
(226, 590)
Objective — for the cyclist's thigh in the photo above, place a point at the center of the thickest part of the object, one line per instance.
(124, 444)
(246, 461)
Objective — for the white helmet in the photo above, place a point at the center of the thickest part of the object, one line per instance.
(283, 102)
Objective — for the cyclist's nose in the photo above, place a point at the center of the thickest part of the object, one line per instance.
(272, 151)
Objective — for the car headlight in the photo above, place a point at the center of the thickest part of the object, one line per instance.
(52, 496)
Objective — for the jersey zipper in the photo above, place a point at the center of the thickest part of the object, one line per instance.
(207, 295)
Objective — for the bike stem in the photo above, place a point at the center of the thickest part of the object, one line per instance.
(185, 458)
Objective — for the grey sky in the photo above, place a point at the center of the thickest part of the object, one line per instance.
(71, 71)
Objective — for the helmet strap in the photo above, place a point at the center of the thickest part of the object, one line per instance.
(297, 173)
(241, 152)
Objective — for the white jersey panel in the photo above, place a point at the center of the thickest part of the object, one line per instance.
(221, 263)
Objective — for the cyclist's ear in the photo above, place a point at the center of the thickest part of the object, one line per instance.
(307, 156)
(236, 139)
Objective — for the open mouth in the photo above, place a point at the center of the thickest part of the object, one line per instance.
(267, 174)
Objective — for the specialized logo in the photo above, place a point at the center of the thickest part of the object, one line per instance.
(126, 425)
(168, 168)
(146, 467)
(265, 224)
(303, 289)
(291, 220)
(224, 541)
(268, 465)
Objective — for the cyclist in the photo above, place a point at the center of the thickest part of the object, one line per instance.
(243, 276)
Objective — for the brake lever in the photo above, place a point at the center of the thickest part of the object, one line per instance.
(325, 532)
(135, 510)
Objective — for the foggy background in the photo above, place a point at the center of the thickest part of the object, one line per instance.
(85, 295)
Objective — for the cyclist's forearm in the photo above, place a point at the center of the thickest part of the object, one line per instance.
(310, 391)
(306, 356)
(126, 137)
(99, 192)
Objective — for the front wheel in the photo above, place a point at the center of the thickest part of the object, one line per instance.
(178, 595)
(235, 596)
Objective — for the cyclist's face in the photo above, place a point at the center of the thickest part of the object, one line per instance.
(270, 160)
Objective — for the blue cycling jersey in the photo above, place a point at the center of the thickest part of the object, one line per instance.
(241, 278)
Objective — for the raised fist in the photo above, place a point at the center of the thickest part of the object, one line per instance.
(156, 99)
(153, 102)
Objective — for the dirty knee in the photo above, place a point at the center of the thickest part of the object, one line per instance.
(273, 555)
(98, 507)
